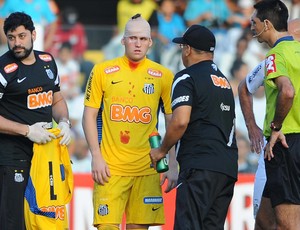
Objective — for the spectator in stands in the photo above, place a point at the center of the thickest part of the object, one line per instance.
(210, 13)
(238, 72)
(75, 106)
(180, 6)
(125, 9)
(293, 7)
(68, 69)
(70, 85)
(54, 7)
(241, 11)
(69, 30)
(170, 25)
(228, 58)
(247, 161)
(81, 157)
(3, 15)
(43, 17)
(241, 48)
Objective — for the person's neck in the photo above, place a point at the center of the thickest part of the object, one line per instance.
(277, 35)
(200, 58)
(134, 64)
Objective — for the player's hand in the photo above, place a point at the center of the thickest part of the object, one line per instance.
(65, 132)
(156, 154)
(275, 137)
(171, 175)
(256, 139)
(100, 170)
(38, 134)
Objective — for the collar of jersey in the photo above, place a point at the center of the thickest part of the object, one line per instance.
(286, 38)
(128, 63)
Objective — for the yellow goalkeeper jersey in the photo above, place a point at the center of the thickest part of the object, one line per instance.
(49, 187)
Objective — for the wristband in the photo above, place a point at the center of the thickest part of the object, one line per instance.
(274, 127)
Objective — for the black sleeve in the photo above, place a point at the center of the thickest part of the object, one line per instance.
(182, 91)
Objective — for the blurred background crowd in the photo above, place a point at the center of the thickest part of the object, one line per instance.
(81, 34)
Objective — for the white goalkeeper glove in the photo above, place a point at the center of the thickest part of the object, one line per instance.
(38, 134)
(65, 132)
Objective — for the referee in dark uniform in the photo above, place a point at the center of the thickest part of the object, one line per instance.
(203, 126)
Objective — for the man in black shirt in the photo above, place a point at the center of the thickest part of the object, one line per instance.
(203, 126)
(29, 99)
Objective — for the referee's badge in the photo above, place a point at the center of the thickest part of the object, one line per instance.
(148, 88)
(50, 73)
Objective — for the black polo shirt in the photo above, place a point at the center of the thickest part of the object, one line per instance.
(26, 96)
(209, 142)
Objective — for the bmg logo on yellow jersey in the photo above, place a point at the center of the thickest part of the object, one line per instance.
(130, 114)
(39, 100)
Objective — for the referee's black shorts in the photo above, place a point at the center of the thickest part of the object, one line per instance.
(283, 172)
(13, 181)
(202, 200)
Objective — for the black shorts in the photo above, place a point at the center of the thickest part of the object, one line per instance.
(13, 181)
(283, 173)
(202, 200)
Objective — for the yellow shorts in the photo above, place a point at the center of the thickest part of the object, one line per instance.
(139, 197)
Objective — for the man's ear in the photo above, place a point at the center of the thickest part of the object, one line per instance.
(123, 41)
(187, 51)
(33, 35)
(151, 42)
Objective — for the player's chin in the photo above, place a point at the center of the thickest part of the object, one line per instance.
(137, 57)
(260, 40)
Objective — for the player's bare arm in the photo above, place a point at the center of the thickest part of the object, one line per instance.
(12, 127)
(254, 132)
(59, 107)
(100, 170)
(285, 100)
(176, 128)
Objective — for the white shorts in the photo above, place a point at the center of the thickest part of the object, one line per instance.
(259, 182)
